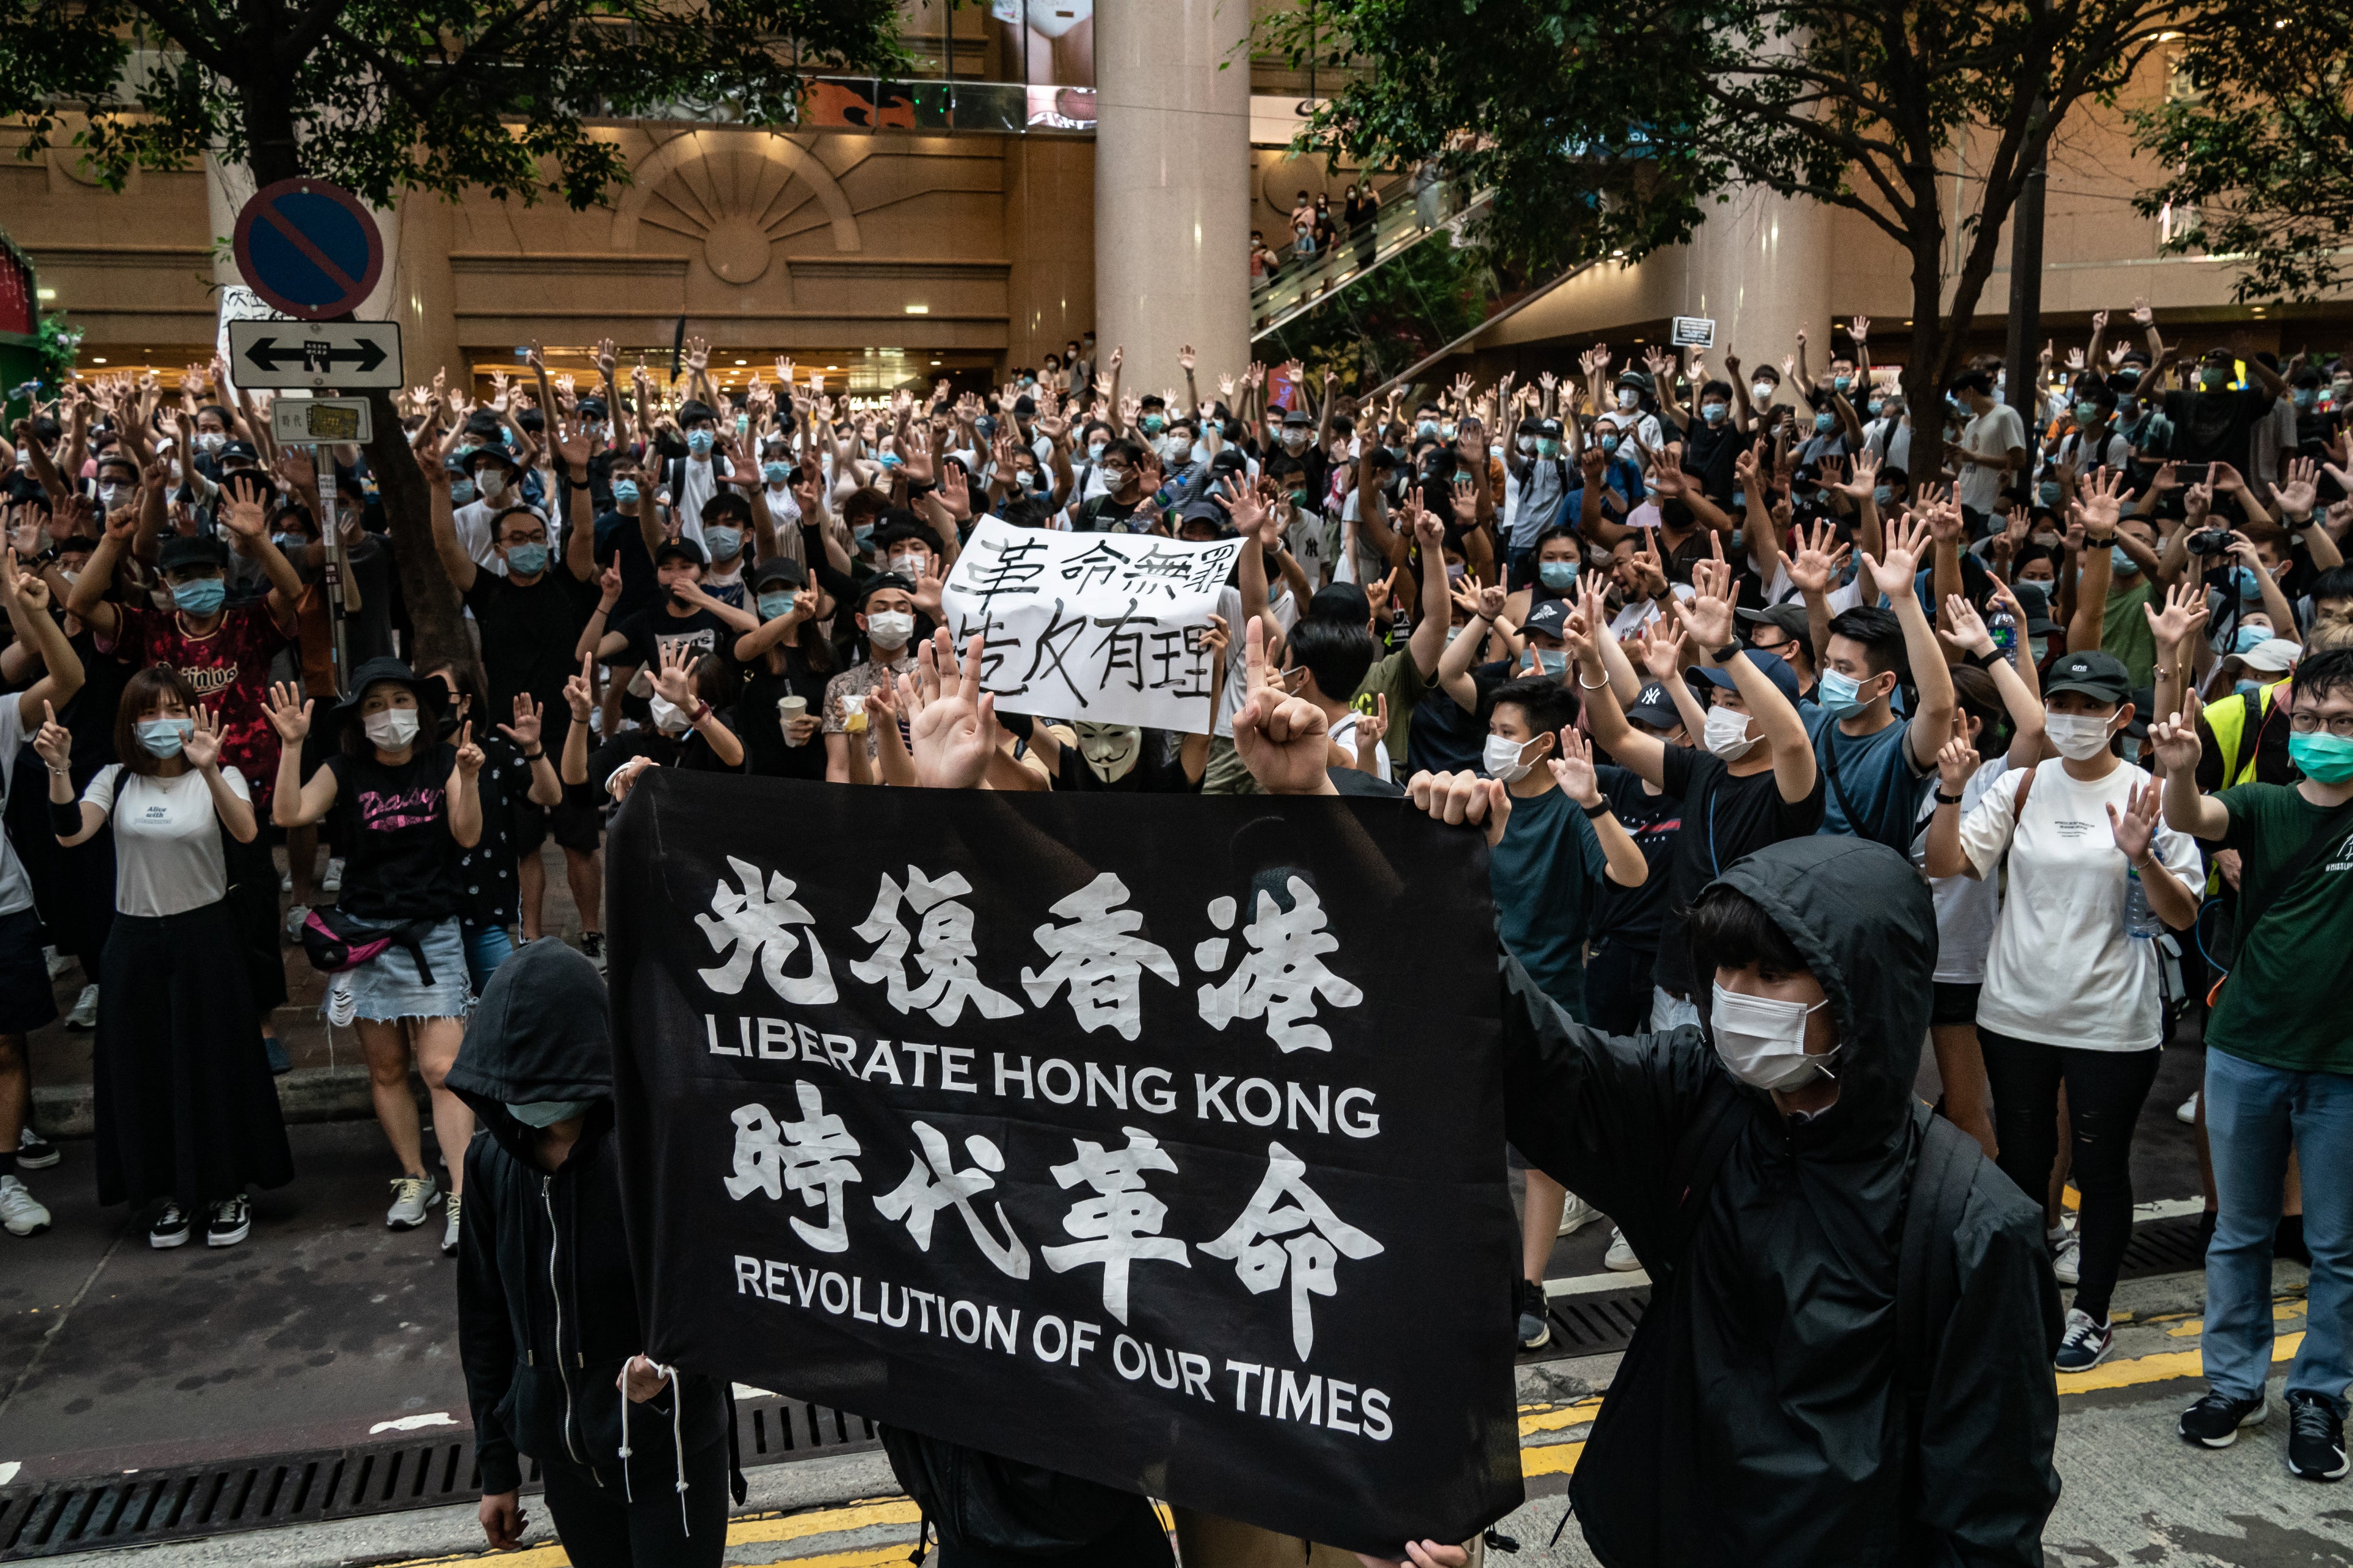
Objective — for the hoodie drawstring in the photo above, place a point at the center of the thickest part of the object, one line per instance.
(677, 1441)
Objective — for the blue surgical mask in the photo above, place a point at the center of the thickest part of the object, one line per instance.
(1153, 423)
(2306, 397)
(201, 598)
(2215, 378)
(1546, 446)
(1715, 413)
(863, 537)
(287, 543)
(743, 423)
(700, 442)
(775, 605)
(1838, 694)
(461, 493)
(722, 543)
(526, 560)
(1556, 574)
(1609, 443)
(164, 737)
(1877, 406)
(2246, 639)
(1427, 429)
(2123, 564)
(624, 491)
(1095, 450)
(1825, 421)
(1552, 660)
(2250, 587)
(2087, 413)
(1881, 495)
(777, 473)
(2049, 492)
(1841, 383)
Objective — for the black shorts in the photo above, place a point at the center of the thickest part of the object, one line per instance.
(1956, 1002)
(27, 1001)
(574, 824)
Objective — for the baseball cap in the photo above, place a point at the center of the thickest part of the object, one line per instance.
(1297, 419)
(1790, 618)
(2035, 600)
(2094, 674)
(681, 548)
(779, 569)
(1655, 708)
(1549, 616)
(1342, 602)
(191, 549)
(2273, 656)
(1774, 668)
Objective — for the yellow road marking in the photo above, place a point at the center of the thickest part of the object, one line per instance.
(794, 1526)
(1550, 1459)
(2159, 1368)
(1541, 1420)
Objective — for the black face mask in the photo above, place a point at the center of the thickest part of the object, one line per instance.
(452, 715)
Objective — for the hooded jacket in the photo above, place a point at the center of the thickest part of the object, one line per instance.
(1760, 1417)
(547, 1310)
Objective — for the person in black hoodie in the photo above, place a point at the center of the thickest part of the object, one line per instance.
(547, 1321)
(1846, 1355)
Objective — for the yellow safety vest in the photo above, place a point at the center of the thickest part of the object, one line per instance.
(2227, 721)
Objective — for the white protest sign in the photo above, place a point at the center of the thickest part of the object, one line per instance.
(1692, 333)
(1101, 627)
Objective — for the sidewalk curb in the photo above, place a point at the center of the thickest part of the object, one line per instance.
(306, 1094)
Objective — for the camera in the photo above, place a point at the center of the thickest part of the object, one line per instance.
(2209, 541)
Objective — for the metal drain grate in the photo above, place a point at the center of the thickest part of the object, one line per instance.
(1591, 1325)
(182, 1502)
(2163, 1246)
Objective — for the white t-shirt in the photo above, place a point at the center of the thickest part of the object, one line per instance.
(1967, 907)
(1343, 736)
(1282, 612)
(15, 887)
(167, 838)
(1641, 613)
(1990, 435)
(2062, 971)
(473, 525)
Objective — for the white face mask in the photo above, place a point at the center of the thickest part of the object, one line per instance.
(1110, 750)
(909, 565)
(392, 729)
(491, 483)
(669, 718)
(1727, 733)
(1762, 1040)
(890, 628)
(1501, 759)
(1761, 390)
(2078, 736)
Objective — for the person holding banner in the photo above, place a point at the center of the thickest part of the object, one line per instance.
(547, 1317)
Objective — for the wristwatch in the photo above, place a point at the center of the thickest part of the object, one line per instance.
(1723, 654)
(1944, 799)
(1597, 810)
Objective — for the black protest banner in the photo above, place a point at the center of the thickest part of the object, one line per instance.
(1157, 1142)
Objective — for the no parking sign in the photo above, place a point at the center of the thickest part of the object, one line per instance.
(309, 248)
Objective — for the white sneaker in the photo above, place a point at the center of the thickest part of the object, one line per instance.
(333, 882)
(2187, 1111)
(1576, 1215)
(228, 1221)
(84, 1012)
(1620, 1257)
(286, 881)
(450, 1229)
(58, 963)
(2069, 1262)
(295, 915)
(21, 1213)
(411, 1197)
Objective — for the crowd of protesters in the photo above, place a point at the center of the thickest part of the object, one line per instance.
(2088, 668)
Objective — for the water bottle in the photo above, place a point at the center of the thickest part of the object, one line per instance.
(2003, 625)
(2141, 923)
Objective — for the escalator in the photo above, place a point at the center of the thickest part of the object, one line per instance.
(1308, 285)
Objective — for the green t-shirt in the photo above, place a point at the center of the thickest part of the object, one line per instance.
(2284, 1004)
(2124, 633)
(1395, 676)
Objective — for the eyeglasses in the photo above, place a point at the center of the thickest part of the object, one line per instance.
(2339, 725)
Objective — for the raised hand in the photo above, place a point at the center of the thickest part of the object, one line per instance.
(1282, 739)
(289, 711)
(1956, 761)
(1968, 627)
(203, 746)
(1892, 573)
(2175, 741)
(1663, 651)
(675, 678)
(528, 719)
(469, 755)
(952, 723)
(2185, 611)
(698, 354)
(1573, 769)
(2297, 497)
(2136, 827)
(54, 743)
(580, 690)
(1707, 615)
(1185, 362)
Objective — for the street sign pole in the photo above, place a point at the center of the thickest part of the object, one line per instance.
(330, 533)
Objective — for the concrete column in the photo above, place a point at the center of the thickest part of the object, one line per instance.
(424, 297)
(1049, 240)
(1761, 267)
(1173, 187)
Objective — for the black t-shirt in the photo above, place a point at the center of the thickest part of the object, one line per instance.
(392, 825)
(1159, 769)
(1634, 915)
(755, 719)
(1724, 818)
(91, 713)
(487, 871)
(1105, 515)
(656, 629)
(1444, 738)
(690, 751)
(527, 635)
(2216, 426)
(1708, 454)
(621, 536)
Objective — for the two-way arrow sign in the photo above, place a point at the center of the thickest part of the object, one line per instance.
(348, 355)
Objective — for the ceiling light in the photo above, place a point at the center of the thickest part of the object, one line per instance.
(918, 309)
(99, 359)
(743, 362)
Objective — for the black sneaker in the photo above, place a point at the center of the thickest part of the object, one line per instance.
(592, 944)
(2316, 1438)
(2085, 1344)
(34, 1152)
(1535, 1322)
(2215, 1420)
(231, 1222)
(171, 1227)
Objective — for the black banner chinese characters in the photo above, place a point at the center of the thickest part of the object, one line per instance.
(1157, 1142)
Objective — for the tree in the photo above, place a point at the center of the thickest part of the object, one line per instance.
(449, 97)
(2257, 134)
(1607, 130)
